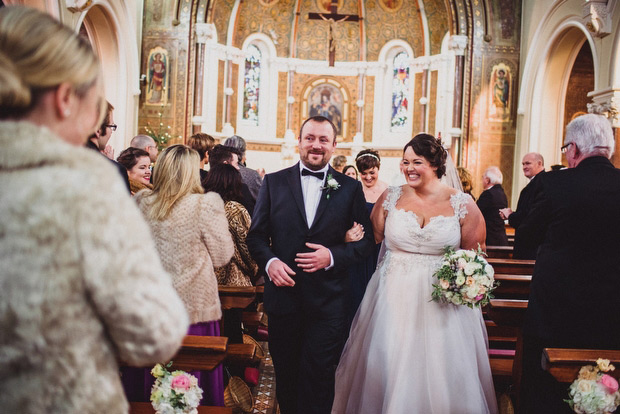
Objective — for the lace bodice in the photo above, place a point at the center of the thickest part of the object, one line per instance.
(403, 231)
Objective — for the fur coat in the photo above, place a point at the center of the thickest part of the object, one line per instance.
(81, 285)
(191, 241)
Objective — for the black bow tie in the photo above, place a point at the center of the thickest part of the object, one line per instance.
(319, 174)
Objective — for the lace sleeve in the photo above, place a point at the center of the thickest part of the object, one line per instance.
(392, 197)
(459, 204)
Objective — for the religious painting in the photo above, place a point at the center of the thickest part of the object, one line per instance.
(267, 2)
(325, 5)
(391, 5)
(499, 87)
(158, 75)
(326, 100)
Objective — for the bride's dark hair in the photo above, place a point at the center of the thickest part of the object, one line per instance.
(430, 148)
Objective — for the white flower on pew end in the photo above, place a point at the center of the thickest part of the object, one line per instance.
(594, 392)
(174, 393)
(464, 278)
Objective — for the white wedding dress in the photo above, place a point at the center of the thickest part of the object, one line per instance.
(406, 354)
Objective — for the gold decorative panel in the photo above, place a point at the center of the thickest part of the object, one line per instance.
(437, 17)
(221, 16)
(274, 19)
(383, 26)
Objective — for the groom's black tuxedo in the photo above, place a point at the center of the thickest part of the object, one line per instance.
(307, 322)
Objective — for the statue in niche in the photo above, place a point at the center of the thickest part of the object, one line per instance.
(326, 100)
(157, 86)
(500, 92)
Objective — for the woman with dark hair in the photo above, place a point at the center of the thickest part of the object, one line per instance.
(424, 356)
(225, 180)
(368, 164)
(138, 165)
(350, 171)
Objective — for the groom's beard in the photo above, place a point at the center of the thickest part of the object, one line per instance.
(310, 159)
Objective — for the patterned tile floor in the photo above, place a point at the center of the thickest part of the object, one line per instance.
(265, 392)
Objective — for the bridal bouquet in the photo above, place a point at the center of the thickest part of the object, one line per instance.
(464, 278)
(594, 392)
(174, 392)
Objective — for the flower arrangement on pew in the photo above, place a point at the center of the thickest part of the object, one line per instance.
(174, 392)
(464, 278)
(594, 392)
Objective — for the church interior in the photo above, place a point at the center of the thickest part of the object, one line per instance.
(495, 79)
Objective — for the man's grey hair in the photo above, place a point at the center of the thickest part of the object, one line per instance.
(236, 142)
(494, 175)
(142, 141)
(592, 134)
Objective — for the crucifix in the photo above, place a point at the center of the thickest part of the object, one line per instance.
(332, 18)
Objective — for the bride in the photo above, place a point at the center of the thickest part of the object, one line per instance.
(406, 354)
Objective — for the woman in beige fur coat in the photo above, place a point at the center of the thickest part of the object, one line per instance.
(192, 237)
(81, 285)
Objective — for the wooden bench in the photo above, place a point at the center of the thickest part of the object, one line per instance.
(236, 297)
(147, 408)
(512, 266)
(500, 252)
(564, 364)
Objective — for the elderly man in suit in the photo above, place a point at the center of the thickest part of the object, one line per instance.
(574, 292)
(298, 236)
(533, 165)
(491, 200)
(250, 177)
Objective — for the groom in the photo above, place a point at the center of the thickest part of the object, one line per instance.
(298, 230)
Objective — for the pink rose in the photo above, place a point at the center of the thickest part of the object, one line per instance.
(610, 383)
(480, 296)
(181, 382)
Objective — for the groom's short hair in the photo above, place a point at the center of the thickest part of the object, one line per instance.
(320, 119)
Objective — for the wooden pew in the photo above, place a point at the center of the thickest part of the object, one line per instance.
(564, 364)
(236, 297)
(147, 408)
(500, 252)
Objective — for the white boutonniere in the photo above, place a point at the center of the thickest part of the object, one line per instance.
(330, 184)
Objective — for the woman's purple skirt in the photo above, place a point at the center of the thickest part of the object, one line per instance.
(138, 382)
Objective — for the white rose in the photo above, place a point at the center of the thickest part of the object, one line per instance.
(332, 182)
(585, 385)
(488, 269)
(461, 263)
(457, 300)
(460, 280)
(470, 254)
(470, 268)
(472, 291)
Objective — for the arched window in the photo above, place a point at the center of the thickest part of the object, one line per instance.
(401, 85)
(251, 84)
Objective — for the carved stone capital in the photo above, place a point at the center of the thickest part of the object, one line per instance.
(78, 6)
(597, 17)
(607, 103)
(458, 43)
(205, 32)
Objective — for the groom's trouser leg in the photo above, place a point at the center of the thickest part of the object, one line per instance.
(285, 344)
(324, 341)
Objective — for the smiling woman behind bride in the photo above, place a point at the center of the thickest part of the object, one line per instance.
(406, 353)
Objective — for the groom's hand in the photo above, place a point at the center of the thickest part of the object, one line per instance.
(280, 274)
(319, 259)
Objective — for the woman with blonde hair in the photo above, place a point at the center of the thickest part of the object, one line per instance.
(192, 237)
(82, 286)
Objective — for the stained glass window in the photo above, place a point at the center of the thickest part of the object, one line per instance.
(401, 84)
(251, 85)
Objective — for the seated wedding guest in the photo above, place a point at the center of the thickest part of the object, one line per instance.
(146, 143)
(191, 234)
(250, 177)
(466, 181)
(350, 171)
(138, 166)
(202, 143)
(573, 300)
(225, 180)
(221, 154)
(339, 162)
(82, 286)
(98, 141)
(491, 200)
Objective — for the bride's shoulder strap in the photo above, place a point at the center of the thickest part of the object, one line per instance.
(459, 202)
(394, 193)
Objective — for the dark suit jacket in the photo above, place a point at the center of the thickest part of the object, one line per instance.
(279, 229)
(576, 282)
(489, 203)
(523, 248)
(252, 179)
